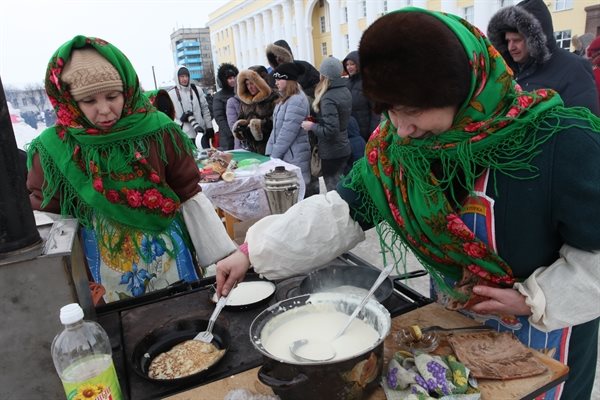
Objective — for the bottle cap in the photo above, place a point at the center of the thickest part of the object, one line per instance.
(71, 313)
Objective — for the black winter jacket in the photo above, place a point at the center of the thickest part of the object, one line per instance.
(362, 108)
(220, 108)
(332, 128)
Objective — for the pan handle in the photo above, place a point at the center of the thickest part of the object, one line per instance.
(411, 274)
(276, 383)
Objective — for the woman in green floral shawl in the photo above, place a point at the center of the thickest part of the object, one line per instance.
(495, 190)
(497, 200)
(120, 167)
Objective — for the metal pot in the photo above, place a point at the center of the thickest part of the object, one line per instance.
(334, 276)
(353, 377)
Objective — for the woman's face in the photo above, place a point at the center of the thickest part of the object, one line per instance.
(281, 84)
(251, 87)
(418, 123)
(231, 81)
(103, 109)
(351, 67)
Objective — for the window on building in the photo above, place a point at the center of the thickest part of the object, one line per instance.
(24, 101)
(347, 39)
(505, 3)
(469, 14)
(385, 6)
(364, 8)
(323, 25)
(324, 48)
(563, 5)
(345, 14)
(408, 3)
(563, 39)
(321, 3)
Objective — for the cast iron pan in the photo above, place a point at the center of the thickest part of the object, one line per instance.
(250, 277)
(334, 276)
(163, 339)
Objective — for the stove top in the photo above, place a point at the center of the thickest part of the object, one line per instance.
(127, 326)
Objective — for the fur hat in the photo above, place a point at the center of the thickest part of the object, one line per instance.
(225, 71)
(331, 68)
(427, 68)
(277, 54)
(88, 73)
(288, 71)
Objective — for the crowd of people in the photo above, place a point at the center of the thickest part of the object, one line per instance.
(485, 169)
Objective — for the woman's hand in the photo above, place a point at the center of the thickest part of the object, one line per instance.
(231, 270)
(307, 125)
(501, 301)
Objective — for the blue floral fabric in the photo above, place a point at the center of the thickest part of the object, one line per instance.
(134, 271)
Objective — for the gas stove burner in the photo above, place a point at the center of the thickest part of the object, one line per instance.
(289, 287)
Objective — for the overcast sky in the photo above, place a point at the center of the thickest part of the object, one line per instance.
(31, 30)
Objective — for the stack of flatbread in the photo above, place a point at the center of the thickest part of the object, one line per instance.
(184, 359)
(495, 355)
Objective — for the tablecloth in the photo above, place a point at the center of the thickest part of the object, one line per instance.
(245, 197)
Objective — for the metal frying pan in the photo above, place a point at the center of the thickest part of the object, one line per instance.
(164, 338)
(337, 275)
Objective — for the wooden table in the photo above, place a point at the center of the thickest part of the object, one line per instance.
(432, 314)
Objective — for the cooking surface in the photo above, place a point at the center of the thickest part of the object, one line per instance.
(432, 314)
(129, 325)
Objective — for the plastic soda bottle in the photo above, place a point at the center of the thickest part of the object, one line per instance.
(82, 356)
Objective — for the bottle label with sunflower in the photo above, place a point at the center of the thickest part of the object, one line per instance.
(92, 378)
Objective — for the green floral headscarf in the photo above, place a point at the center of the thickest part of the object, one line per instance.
(493, 129)
(103, 177)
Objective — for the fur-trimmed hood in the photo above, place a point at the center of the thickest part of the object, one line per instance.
(225, 71)
(531, 19)
(278, 54)
(264, 91)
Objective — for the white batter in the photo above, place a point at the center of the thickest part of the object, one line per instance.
(319, 325)
(349, 289)
(249, 292)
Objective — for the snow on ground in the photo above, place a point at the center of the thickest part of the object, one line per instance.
(24, 133)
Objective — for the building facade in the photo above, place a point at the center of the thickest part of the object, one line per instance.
(192, 47)
(315, 29)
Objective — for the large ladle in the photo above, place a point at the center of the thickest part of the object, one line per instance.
(317, 350)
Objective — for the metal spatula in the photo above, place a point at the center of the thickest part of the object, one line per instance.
(207, 336)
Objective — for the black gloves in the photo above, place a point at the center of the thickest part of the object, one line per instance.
(185, 116)
(210, 133)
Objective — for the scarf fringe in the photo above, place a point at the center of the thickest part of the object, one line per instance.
(110, 233)
(513, 149)
(394, 248)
